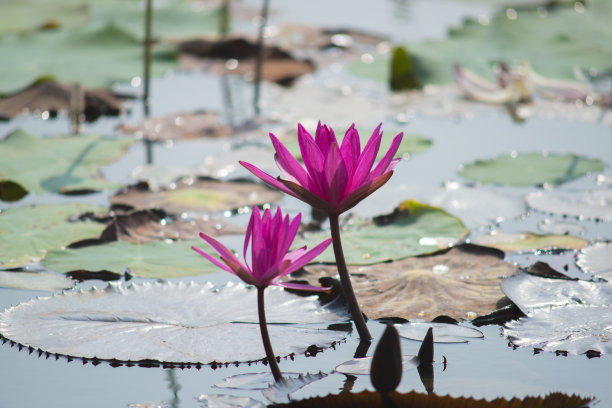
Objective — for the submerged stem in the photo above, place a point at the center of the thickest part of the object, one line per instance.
(263, 328)
(345, 280)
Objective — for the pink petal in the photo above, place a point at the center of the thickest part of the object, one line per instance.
(213, 260)
(350, 148)
(383, 165)
(288, 163)
(366, 160)
(324, 137)
(313, 160)
(336, 175)
(220, 248)
(309, 197)
(299, 286)
(249, 231)
(307, 257)
(267, 178)
(362, 192)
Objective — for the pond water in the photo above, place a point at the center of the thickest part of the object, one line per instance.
(483, 368)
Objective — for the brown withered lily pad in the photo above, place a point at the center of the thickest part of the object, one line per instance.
(461, 283)
(197, 195)
(238, 55)
(140, 226)
(55, 97)
(415, 399)
(182, 126)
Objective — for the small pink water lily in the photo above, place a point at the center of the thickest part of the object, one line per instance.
(336, 177)
(270, 238)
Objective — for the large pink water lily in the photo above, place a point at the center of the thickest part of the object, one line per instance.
(336, 177)
(270, 238)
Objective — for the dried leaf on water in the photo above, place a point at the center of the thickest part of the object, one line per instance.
(516, 242)
(461, 283)
(169, 322)
(200, 195)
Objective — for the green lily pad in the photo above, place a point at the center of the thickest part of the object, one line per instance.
(155, 259)
(27, 233)
(529, 169)
(58, 163)
(413, 229)
(93, 55)
(411, 144)
(541, 38)
(508, 242)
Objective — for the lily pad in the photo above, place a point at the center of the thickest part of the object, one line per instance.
(155, 259)
(543, 40)
(361, 366)
(182, 126)
(35, 281)
(574, 329)
(11, 191)
(595, 204)
(442, 332)
(413, 229)
(462, 283)
(522, 170)
(531, 293)
(96, 56)
(597, 259)
(179, 323)
(63, 163)
(28, 233)
(515, 242)
(200, 195)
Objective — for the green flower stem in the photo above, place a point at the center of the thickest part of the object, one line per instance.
(345, 280)
(263, 328)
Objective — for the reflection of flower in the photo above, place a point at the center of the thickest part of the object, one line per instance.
(270, 238)
(336, 177)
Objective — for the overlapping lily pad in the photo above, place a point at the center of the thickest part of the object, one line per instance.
(514, 36)
(597, 259)
(151, 322)
(462, 283)
(28, 233)
(413, 229)
(200, 195)
(528, 169)
(594, 204)
(58, 163)
(516, 242)
(155, 259)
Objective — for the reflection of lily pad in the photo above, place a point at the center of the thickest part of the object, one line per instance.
(461, 283)
(27, 233)
(589, 204)
(509, 242)
(541, 38)
(155, 259)
(58, 163)
(361, 366)
(597, 259)
(529, 169)
(442, 332)
(151, 322)
(182, 126)
(35, 281)
(200, 195)
(414, 229)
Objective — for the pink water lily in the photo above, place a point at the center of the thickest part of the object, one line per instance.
(270, 238)
(336, 176)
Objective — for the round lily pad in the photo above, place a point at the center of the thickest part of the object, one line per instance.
(528, 169)
(588, 204)
(597, 259)
(413, 229)
(442, 332)
(63, 163)
(154, 259)
(511, 242)
(201, 195)
(28, 233)
(170, 322)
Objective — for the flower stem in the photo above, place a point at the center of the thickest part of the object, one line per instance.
(345, 280)
(263, 328)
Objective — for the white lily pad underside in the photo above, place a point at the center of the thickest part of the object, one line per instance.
(170, 322)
